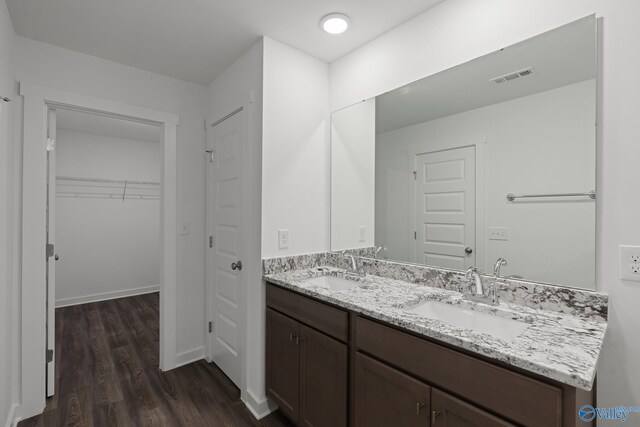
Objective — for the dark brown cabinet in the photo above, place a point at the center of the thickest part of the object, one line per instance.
(447, 411)
(327, 366)
(283, 362)
(323, 380)
(307, 372)
(386, 397)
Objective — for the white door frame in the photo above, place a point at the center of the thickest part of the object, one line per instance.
(480, 143)
(37, 101)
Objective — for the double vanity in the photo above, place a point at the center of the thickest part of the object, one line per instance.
(404, 347)
(493, 158)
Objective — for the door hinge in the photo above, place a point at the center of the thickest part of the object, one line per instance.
(210, 326)
(51, 144)
(50, 250)
(49, 356)
(210, 153)
(415, 175)
(415, 235)
(210, 241)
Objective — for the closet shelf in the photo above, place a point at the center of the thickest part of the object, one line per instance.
(103, 188)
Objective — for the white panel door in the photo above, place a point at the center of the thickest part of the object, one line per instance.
(51, 257)
(226, 142)
(445, 208)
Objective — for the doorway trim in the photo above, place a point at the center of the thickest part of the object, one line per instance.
(37, 101)
(479, 142)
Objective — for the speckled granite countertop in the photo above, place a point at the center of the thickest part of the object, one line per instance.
(559, 346)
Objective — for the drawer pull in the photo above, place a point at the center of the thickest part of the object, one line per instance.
(418, 407)
(434, 415)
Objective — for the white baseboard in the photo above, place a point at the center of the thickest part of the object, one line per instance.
(260, 408)
(13, 417)
(190, 356)
(106, 296)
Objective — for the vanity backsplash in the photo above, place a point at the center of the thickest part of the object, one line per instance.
(576, 302)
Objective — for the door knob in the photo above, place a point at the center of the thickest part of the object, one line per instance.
(56, 257)
(468, 250)
(236, 265)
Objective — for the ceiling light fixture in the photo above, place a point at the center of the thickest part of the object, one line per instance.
(335, 23)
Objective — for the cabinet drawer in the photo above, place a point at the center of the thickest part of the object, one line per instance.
(515, 396)
(331, 321)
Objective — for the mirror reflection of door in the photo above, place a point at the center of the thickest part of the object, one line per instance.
(445, 208)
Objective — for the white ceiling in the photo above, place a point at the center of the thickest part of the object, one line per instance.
(559, 57)
(108, 126)
(195, 40)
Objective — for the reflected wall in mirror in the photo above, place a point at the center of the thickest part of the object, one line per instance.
(425, 170)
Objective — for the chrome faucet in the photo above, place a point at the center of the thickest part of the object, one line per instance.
(475, 289)
(354, 266)
(381, 252)
(496, 269)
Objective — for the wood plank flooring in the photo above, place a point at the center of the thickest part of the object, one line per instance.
(107, 375)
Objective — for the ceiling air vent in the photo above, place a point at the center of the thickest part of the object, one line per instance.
(513, 76)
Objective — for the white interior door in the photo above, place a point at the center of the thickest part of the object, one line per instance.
(445, 208)
(225, 279)
(51, 256)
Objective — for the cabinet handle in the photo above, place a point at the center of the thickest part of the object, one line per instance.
(418, 407)
(434, 415)
(291, 336)
(299, 339)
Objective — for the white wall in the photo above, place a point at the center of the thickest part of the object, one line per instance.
(238, 84)
(459, 30)
(542, 143)
(52, 66)
(295, 156)
(7, 291)
(353, 152)
(108, 248)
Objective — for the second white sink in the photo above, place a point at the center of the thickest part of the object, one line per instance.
(499, 327)
(332, 282)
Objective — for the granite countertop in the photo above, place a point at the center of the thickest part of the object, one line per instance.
(559, 346)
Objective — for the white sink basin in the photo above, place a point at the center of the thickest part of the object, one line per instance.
(499, 327)
(333, 283)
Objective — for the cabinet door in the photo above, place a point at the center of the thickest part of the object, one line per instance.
(283, 362)
(323, 380)
(451, 412)
(387, 397)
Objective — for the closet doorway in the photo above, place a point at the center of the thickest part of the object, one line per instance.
(103, 229)
(39, 102)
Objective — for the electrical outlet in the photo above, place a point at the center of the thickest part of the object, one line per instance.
(498, 233)
(630, 263)
(362, 233)
(283, 239)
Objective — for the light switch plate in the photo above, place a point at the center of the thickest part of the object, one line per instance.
(362, 233)
(498, 233)
(630, 263)
(185, 228)
(283, 239)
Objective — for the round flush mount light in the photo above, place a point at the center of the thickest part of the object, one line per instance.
(335, 23)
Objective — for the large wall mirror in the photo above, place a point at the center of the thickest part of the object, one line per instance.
(492, 158)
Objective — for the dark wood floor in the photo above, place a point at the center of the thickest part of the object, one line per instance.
(107, 375)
